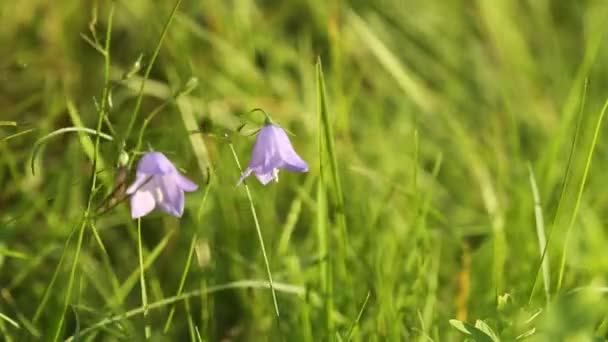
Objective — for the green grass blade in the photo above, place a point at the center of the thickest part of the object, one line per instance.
(351, 330)
(323, 234)
(566, 177)
(68, 294)
(579, 196)
(325, 270)
(182, 282)
(540, 233)
(409, 82)
(241, 284)
(327, 152)
(9, 320)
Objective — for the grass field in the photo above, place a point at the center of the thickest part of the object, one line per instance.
(456, 186)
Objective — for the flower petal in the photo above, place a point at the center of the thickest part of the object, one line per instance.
(140, 179)
(185, 183)
(296, 164)
(172, 200)
(142, 203)
(265, 154)
(175, 209)
(290, 159)
(155, 163)
(265, 178)
(273, 150)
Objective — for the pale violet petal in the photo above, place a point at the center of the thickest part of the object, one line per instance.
(262, 148)
(265, 178)
(273, 150)
(265, 154)
(185, 183)
(140, 180)
(290, 159)
(142, 203)
(155, 163)
(176, 209)
(295, 165)
(172, 195)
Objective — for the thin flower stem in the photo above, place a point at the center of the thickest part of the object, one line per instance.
(259, 231)
(147, 122)
(267, 119)
(142, 280)
(172, 99)
(149, 69)
(86, 216)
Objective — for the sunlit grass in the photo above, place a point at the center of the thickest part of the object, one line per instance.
(456, 187)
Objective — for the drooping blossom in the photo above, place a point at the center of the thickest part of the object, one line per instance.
(158, 183)
(272, 151)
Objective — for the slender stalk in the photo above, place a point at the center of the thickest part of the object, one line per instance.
(147, 121)
(259, 231)
(149, 69)
(173, 98)
(86, 216)
(142, 280)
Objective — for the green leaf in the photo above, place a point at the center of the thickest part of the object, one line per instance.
(481, 325)
(77, 323)
(470, 330)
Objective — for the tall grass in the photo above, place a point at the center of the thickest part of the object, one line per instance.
(455, 190)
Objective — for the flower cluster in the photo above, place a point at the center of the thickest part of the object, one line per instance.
(159, 184)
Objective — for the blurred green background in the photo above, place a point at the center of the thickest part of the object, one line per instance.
(446, 117)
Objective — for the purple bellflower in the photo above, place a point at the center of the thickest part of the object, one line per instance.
(158, 183)
(272, 151)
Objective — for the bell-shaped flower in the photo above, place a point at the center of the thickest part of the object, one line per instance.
(273, 151)
(158, 183)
